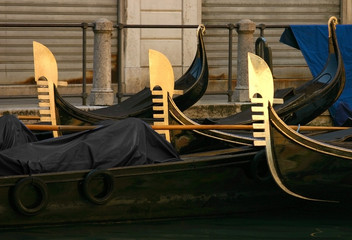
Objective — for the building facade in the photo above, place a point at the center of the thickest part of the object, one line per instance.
(179, 45)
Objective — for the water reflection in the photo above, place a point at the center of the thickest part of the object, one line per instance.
(287, 225)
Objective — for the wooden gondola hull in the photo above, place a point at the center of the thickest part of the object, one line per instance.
(310, 168)
(301, 166)
(207, 186)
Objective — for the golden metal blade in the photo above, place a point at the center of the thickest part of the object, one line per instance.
(46, 76)
(44, 63)
(160, 72)
(161, 75)
(260, 78)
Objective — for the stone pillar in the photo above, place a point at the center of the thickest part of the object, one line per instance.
(102, 93)
(245, 32)
(346, 11)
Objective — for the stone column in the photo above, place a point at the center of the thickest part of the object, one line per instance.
(245, 32)
(102, 93)
(346, 11)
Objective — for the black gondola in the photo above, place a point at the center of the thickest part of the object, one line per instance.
(315, 168)
(88, 177)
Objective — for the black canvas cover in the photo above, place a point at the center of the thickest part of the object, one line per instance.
(14, 133)
(114, 144)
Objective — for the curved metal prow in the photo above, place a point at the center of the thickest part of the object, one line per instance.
(332, 24)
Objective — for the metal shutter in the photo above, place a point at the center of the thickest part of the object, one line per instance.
(287, 62)
(16, 57)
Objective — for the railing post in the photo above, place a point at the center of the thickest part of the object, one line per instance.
(245, 32)
(119, 93)
(84, 63)
(229, 83)
(102, 93)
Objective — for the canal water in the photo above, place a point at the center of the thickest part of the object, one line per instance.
(282, 225)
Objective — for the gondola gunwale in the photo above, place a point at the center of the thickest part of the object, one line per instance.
(280, 126)
(188, 162)
(179, 117)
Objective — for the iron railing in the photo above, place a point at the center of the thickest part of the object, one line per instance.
(260, 47)
(84, 26)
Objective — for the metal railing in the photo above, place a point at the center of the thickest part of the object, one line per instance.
(262, 48)
(84, 26)
(229, 26)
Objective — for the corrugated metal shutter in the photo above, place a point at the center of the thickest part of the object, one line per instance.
(16, 57)
(288, 62)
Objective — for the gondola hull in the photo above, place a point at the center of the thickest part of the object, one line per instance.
(301, 165)
(197, 186)
(309, 168)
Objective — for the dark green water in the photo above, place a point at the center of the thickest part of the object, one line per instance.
(278, 225)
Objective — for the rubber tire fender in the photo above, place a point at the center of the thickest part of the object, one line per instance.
(16, 195)
(109, 183)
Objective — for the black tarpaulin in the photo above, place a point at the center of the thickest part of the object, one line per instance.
(116, 143)
(13, 132)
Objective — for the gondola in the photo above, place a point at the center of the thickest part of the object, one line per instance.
(193, 84)
(204, 184)
(207, 184)
(311, 168)
(198, 186)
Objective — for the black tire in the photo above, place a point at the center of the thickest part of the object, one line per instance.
(38, 184)
(109, 184)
